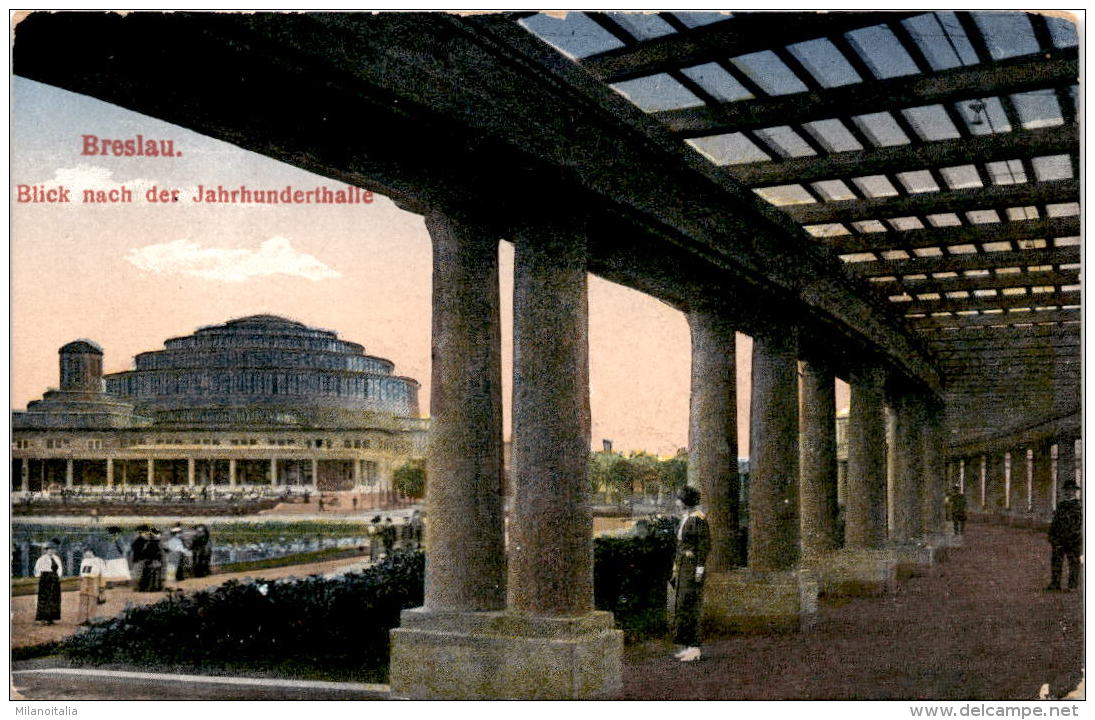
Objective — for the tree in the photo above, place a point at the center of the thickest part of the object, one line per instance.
(410, 479)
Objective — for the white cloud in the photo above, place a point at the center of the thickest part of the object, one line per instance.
(275, 256)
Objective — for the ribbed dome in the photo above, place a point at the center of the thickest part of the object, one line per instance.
(263, 364)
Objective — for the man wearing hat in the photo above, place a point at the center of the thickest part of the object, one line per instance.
(1066, 537)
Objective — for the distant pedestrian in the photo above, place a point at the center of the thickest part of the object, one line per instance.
(202, 546)
(49, 570)
(1066, 538)
(175, 555)
(387, 536)
(321, 504)
(417, 528)
(152, 575)
(955, 506)
(686, 583)
(92, 586)
(138, 560)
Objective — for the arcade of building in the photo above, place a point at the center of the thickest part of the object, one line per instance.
(257, 402)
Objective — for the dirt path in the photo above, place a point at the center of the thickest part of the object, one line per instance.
(976, 627)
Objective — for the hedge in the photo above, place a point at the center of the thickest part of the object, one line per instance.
(329, 624)
(339, 626)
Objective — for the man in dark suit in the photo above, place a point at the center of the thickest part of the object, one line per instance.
(1066, 537)
(686, 584)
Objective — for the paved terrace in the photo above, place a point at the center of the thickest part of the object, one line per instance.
(977, 626)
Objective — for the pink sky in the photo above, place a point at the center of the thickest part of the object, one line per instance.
(130, 276)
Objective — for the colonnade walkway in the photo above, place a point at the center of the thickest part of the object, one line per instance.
(976, 626)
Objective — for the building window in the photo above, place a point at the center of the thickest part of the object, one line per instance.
(21, 444)
(94, 444)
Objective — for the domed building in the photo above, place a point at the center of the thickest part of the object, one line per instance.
(256, 401)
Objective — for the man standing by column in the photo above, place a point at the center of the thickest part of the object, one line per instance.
(1066, 537)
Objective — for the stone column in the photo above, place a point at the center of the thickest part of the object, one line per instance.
(907, 468)
(110, 472)
(773, 456)
(232, 473)
(1042, 491)
(357, 473)
(273, 471)
(548, 643)
(865, 509)
(68, 473)
(983, 482)
(551, 554)
(994, 483)
(713, 433)
(315, 473)
(190, 472)
(818, 501)
(24, 474)
(466, 566)
(151, 472)
(771, 594)
(933, 478)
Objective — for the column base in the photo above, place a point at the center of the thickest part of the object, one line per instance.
(448, 655)
(916, 557)
(855, 573)
(752, 601)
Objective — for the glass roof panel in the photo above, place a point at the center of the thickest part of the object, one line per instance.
(1032, 244)
(834, 190)
(1038, 108)
(882, 52)
(1063, 31)
(942, 39)
(1052, 167)
(785, 195)
(1007, 34)
(769, 72)
(833, 135)
(718, 82)
(931, 122)
(875, 186)
(962, 250)
(961, 176)
(1022, 213)
(984, 116)
(980, 217)
(643, 26)
(574, 35)
(729, 149)
(918, 181)
(698, 19)
(827, 230)
(944, 220)
(894, 255)
(1062, 209)
(656, 92)
(857, 257)
(787, 141)
(881, 129)
(1070, 241)
(825, 62)
(996, 246)
(905, 223)
(1006, 172)
(869, 226)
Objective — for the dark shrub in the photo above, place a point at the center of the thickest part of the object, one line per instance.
(321, 623)
(630, 574)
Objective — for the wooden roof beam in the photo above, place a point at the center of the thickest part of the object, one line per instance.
(901, 158)
(1012, 318)
(1009, 231)
(1031, 72)
(977, 261)
(986, 303)
(992, 196)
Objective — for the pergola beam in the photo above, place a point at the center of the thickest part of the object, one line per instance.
(966, 348)
(989, 334)
(743, 34)
(993, 196)
(985, 303)
(1012, 318)
(1047, 70)
(1009, 231)
(976, 261)
(990, 282)
(902, 158)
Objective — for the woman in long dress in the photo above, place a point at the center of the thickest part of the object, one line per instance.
(686, 584)
(49, 570)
